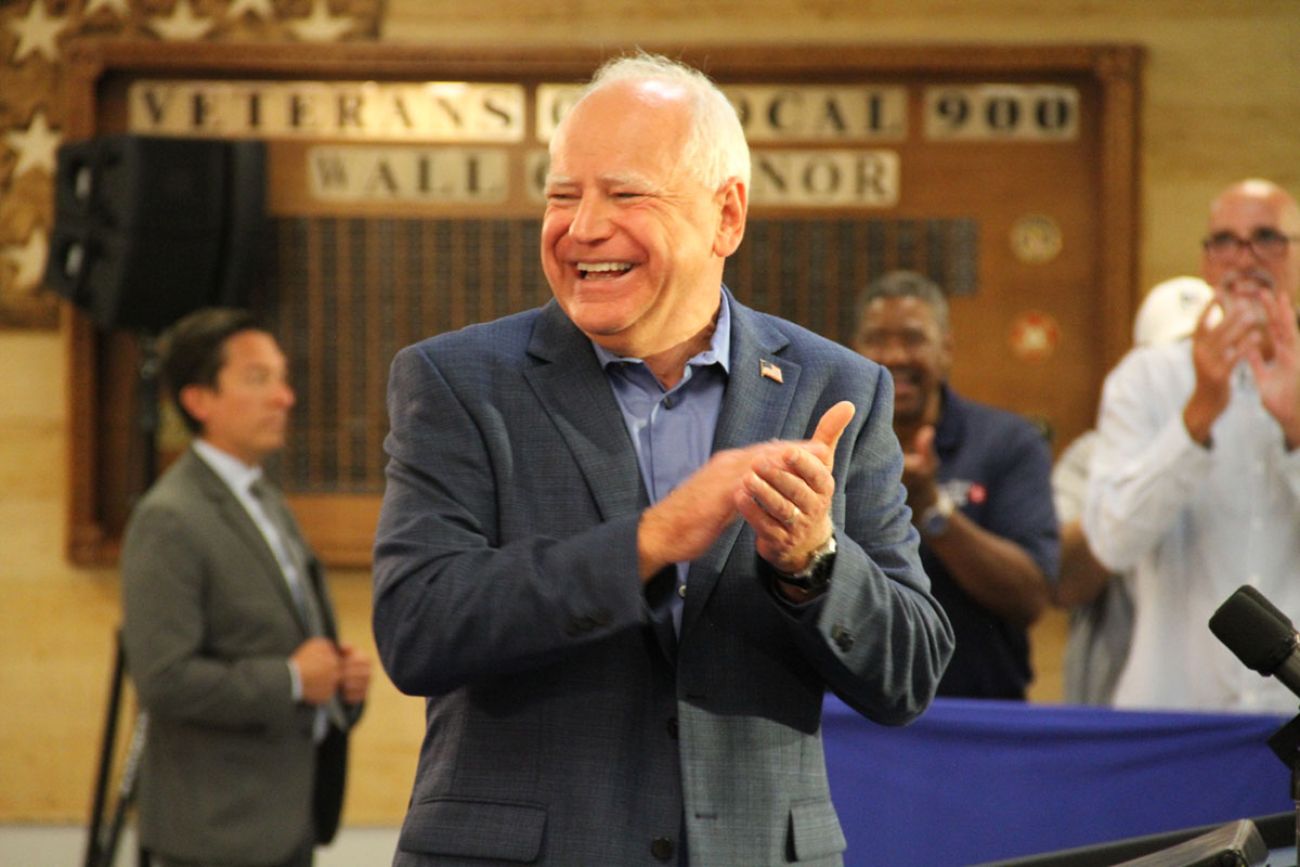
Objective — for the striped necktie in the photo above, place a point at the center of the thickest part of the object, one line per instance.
(292, 552)
(298, 579)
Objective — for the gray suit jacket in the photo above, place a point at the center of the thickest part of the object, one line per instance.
(566, 726)
(229, 769)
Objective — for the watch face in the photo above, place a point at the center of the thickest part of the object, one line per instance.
(818, 573)
(934, 521)
(822, 578)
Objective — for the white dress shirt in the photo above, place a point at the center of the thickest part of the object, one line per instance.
(239, 477)
(1194, 524)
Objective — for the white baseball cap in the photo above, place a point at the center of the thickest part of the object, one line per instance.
(1170, 310)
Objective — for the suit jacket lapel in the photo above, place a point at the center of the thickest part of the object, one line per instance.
(754, 409)
(575, 393)
(234, 514)
(572, 388)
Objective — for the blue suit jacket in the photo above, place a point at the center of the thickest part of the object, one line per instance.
(567, 725)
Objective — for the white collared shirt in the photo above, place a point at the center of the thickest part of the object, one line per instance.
(239, 478)
(1195, 524)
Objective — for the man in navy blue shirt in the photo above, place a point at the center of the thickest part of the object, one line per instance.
(978, 483)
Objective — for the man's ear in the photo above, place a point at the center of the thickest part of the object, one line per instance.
(196, 400)
(734, 200)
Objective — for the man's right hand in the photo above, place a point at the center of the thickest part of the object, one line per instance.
(1216, 350)
(685, 523)
(319, 668)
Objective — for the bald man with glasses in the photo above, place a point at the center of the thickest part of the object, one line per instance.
(1195, 484)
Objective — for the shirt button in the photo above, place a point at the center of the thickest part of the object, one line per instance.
(670, 402)
(681, 590)
(661, 848)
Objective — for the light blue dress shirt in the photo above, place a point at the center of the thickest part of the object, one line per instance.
(672, 430)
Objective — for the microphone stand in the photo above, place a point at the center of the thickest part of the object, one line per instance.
(1285, 744)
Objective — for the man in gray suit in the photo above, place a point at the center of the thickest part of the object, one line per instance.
(630, 538)
(229, 633)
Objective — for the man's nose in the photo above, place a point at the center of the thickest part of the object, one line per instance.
(284, 394)
(591, 218)
(1244, 254)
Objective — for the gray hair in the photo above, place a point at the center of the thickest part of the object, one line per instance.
(715, 148)
(906, 284)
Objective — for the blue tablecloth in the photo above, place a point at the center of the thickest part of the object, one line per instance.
(976, 781)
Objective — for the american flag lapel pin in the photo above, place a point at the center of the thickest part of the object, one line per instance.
(770, 370)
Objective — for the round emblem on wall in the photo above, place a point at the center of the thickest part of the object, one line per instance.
(1034, 336)
(1035, 238)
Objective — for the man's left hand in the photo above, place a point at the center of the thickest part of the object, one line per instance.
(1278, 377)
(786, 496)
(354, 678)
(921, 471)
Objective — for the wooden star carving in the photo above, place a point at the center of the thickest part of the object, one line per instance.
(182, 24)
(321, 25)
(37, 33)
(28, 260)
(36, 146)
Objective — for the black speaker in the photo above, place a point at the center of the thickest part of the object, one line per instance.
(148, 229)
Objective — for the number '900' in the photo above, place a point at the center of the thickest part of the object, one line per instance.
(1002, 112)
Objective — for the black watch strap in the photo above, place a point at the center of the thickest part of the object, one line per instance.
(817, 574)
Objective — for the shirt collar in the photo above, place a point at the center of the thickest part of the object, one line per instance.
(237, 475)
(718, 351)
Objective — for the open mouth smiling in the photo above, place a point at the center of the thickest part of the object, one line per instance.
(906, 376)
(602, 270)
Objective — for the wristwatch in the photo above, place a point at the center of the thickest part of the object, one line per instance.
(817, 574)
(935, 519)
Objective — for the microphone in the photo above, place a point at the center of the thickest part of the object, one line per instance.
(1263, 638)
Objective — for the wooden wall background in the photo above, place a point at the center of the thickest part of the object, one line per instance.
(1220, 100)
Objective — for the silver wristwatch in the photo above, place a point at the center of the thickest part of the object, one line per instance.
(935, 519)
(817, 574)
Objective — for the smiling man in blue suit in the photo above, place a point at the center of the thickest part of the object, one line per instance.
(630, 538)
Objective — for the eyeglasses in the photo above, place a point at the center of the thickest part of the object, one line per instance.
(1267, 244)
